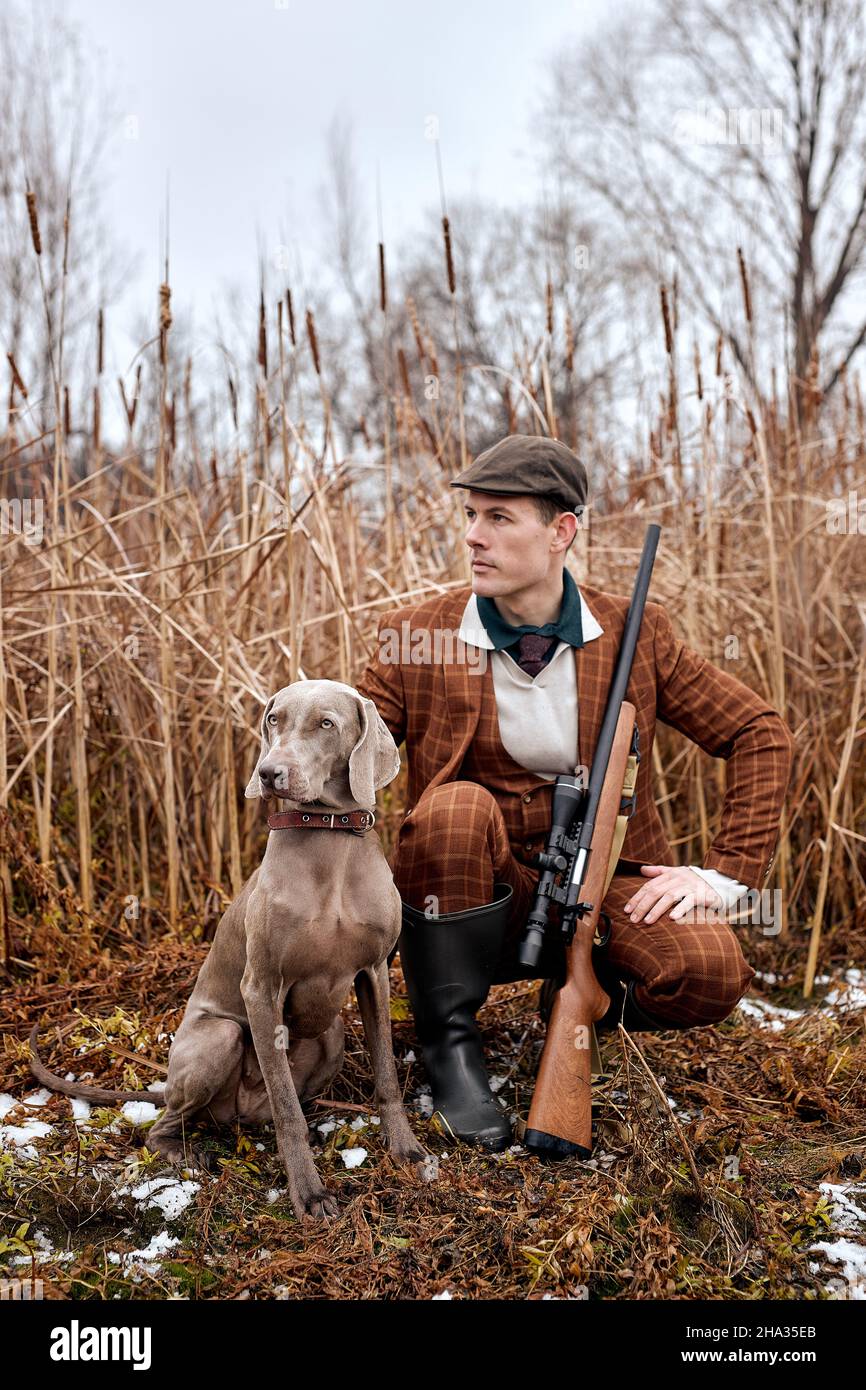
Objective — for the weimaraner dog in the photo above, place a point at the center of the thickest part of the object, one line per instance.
(263, 1031)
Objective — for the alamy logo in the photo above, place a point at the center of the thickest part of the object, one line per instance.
(439, 646)
(76, 1343)
(23, 516)
(20, 1290)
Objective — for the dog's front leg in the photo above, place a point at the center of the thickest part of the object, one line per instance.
(264, 1006)
(372, 989)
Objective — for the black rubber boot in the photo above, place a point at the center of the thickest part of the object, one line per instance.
(448, 964)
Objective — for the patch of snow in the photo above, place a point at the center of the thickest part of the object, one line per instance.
(80, 1109)
(446, 1293)
(40, 1097)
(849, 1217)
(850, 995)
(7, 1103)
(169, 1195)
(327, 1126)
(853, 1261)
(768, 1015)
(139, 1112)
(497, 1082)
(20, 1136)
(353, 1157)
(409, 1057)
(846, 1215)
(358, 1123)
(136, 1261)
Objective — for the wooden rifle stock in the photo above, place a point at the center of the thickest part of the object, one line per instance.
(560, 1117)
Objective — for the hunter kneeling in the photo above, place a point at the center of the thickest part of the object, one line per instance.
(501, 687)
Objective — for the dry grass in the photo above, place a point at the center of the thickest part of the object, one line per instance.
(172, 593)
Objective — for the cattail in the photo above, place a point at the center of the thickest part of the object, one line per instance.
(314, 346)
(172, 417)
(263, 336)
(291, 310)
(431, 354)
(669, 341)
(700, 384)
(404, 371)
(719, 355)
(383, 289)
(96, 418)
(416, 327)
(452, 283)
(16, 376)
(34, 222)
(233, 399)
(164, 322)
(130, 407)
(549, 295)
(66, 421)
(744, 281)
(362, 426)
(509, 406)
(164, 308)
(569, 342)
(100, 327)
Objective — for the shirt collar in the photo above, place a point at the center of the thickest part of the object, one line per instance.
(482, 625)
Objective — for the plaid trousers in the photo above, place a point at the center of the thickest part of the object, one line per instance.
(463, 836)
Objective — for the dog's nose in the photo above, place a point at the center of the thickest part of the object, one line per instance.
(281, 777)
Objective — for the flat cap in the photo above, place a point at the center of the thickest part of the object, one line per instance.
(532, 463)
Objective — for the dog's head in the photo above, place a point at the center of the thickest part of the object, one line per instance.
(316, 733)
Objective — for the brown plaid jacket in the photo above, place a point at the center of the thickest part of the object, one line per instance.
(434, 705)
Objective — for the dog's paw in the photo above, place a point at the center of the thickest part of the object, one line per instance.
(196, 1159)
(316, 1205)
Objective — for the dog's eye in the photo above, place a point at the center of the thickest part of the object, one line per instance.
(272, 719)
(326, 724)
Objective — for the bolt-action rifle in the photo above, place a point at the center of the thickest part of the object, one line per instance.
(576, 869)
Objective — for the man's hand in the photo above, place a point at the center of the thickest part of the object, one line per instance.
(670, 886)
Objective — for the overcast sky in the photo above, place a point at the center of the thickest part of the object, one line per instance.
(232, 98)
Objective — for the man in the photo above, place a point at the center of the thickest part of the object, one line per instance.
(497, 688)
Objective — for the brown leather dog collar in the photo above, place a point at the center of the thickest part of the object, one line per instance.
(359, 822)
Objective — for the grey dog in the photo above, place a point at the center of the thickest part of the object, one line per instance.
(263, 1031)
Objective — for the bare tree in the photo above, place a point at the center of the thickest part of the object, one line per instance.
(54, 126)
(495, 326)
(704, 125)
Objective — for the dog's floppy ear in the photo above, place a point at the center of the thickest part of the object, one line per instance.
(374, 761)
(254, 786)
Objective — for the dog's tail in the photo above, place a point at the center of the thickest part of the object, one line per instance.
(79, 1088)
